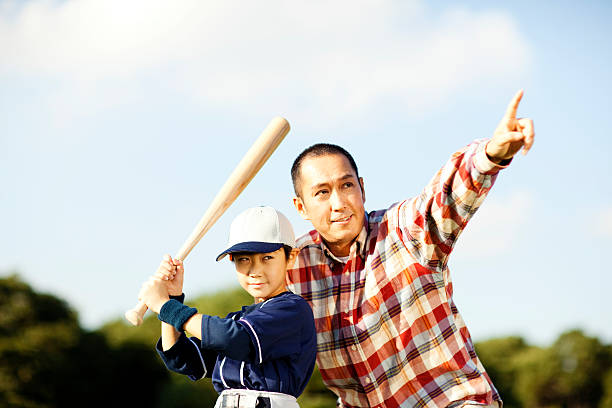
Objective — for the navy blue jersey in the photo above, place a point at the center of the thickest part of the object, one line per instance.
(267, 346)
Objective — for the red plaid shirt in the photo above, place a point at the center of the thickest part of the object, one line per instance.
(388, 331)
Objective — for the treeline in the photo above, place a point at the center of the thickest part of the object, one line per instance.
(48, 360)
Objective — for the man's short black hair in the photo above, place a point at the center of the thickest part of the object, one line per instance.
(317, 150)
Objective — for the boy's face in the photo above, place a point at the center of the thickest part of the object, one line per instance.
(262, 275)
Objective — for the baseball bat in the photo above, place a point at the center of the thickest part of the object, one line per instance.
(244, 172)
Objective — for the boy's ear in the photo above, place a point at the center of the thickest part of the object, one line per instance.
(292, 257)
(301, 209)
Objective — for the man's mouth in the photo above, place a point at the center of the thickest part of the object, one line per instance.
(343, 219)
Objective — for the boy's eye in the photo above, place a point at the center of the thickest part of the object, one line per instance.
(242, 259)
(268, 257)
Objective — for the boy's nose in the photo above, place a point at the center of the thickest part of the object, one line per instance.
(255, 271)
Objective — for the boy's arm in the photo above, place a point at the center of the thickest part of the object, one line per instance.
(188, 358)
(281, 328)
(224, 336)
(193, 325)
(171, 271)
(169, 336)
(176, 317)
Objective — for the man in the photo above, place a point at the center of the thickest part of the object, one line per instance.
(388, 331)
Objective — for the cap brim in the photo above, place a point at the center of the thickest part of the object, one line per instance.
(251, 246)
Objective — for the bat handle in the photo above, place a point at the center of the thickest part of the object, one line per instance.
(136, 314)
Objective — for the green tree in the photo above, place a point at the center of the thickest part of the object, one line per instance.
(497, 357)
(606, 399)
(583, 361)
(570, 373)
(48, 360)
(316, 394)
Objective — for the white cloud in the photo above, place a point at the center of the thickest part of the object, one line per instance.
(495, 227)
(320, 58)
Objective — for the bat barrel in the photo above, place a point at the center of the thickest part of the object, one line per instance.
(242, 175)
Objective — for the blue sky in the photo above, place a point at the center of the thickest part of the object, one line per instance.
(119, 122)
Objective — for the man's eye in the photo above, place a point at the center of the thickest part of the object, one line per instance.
(268, 257)
(348, 184)
(242, 259)
(321, 192)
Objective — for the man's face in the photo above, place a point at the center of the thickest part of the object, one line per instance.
(332, 199)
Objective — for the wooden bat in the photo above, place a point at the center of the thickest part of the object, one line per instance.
(244, 172)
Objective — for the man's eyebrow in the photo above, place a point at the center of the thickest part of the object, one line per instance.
(326, 183)
(317, 186)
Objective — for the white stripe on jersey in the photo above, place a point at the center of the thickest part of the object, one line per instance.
(221, 373)
(242, 374)
(256, 338)
(201, 358)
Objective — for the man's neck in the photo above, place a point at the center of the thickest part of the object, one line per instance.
(340, 250)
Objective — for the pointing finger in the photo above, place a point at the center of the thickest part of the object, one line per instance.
(513, 106)
(529, 133)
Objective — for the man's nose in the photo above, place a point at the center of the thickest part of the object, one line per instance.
(336, 201)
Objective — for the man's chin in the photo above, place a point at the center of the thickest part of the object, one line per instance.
(334, 241)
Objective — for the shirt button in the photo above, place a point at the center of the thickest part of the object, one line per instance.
(353, 347)
(367, 380)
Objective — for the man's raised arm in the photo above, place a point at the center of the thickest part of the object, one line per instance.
(432, 221)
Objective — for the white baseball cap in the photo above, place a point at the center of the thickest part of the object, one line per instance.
(259, 229)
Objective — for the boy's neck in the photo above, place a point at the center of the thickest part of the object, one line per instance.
(259, 300)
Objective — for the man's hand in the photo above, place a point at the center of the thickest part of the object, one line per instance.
(511, 134)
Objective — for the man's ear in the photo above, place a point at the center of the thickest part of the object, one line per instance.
(301, 209)
(362, 188)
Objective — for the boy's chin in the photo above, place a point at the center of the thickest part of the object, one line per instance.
(256, 293)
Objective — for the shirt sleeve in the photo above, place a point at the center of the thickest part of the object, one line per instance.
(228, 337)
(187, 358)
(431, 222)
(277, 328)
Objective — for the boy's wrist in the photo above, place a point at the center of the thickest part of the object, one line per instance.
(156, 307)
(176, 314)
(180, 298)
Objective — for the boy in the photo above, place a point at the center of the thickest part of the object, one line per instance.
(260, 356)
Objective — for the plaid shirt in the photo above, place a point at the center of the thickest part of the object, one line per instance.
(388, 331)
